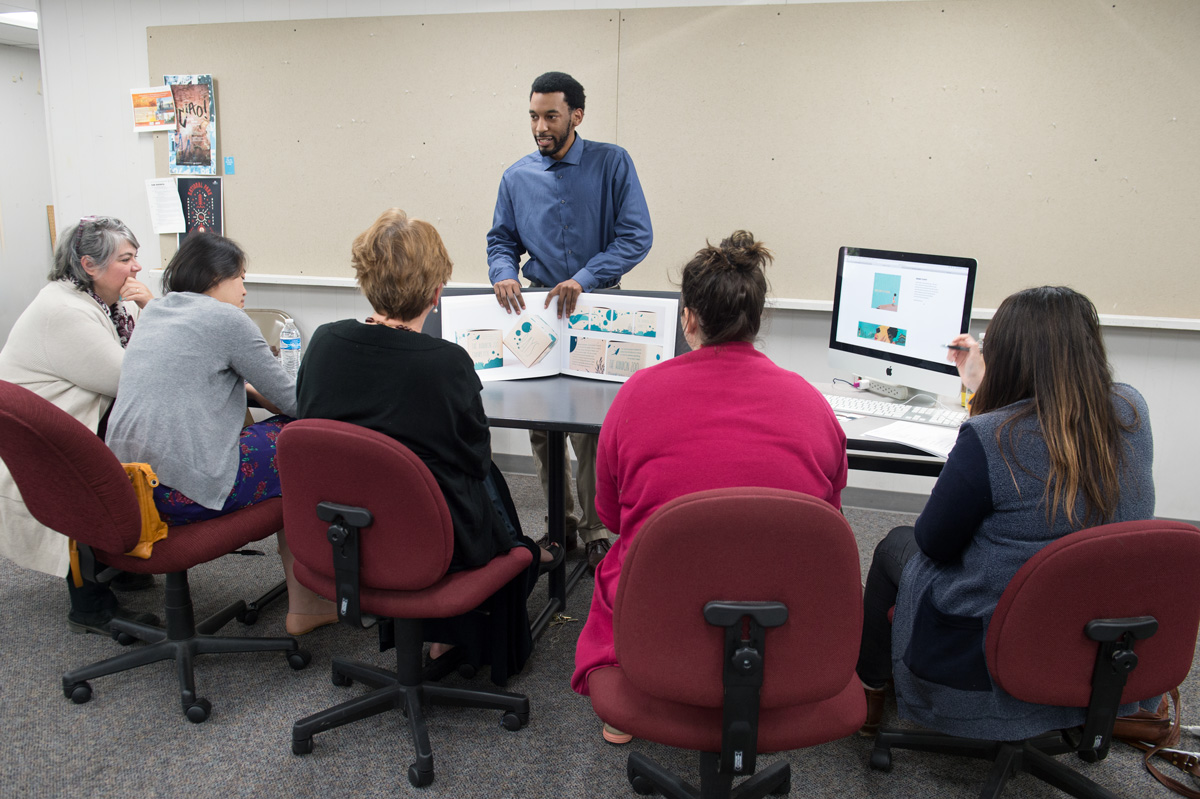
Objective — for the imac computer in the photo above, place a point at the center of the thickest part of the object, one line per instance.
(893, 315)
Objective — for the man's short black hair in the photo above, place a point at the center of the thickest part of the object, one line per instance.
(552, 82)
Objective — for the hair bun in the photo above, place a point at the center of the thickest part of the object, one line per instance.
(742, 253)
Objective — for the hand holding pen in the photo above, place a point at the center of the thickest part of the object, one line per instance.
(967, 354)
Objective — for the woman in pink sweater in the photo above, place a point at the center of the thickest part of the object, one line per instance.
(721, 416)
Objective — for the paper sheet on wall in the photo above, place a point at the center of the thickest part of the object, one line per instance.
(166, 210)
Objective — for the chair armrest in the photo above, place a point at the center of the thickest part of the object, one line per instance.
(346, 523)
(1115, 659)
(742, 676)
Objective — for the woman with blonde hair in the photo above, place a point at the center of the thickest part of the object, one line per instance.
(1052, 445)
(383, 373)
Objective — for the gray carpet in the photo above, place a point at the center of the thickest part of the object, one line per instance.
(132, 740)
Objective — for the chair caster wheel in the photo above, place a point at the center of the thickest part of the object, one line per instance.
(302, 747)
(299, 659)
(340, 679)
(122, 638)
(419, 779)
(78, 692)
(466, 671)
(512, 721)
(248, 617)
(198, 711)
(881, 759)
(640, 784)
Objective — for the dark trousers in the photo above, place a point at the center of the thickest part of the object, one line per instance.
(883, 583)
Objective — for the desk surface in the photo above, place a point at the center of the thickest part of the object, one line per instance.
(562, 403)
(578, 405)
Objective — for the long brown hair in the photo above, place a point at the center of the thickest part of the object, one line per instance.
(1044, 344)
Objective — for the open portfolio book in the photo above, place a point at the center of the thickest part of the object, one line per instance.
(608, 336)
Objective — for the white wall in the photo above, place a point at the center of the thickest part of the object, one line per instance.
(95, 51)
(24, 183)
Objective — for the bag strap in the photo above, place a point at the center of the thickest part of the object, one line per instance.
(1186, 761)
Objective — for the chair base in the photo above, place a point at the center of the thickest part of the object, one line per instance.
(254, 607)
(404, 689)
(1034, 756)
(646, 776)
(182, 641)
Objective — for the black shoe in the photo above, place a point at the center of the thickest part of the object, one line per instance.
(557, 554)
(98, 622)
(596, 550)
(452, 660)
(131, 581)
(571, 537)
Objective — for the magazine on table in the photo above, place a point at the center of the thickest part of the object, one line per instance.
(607, 337)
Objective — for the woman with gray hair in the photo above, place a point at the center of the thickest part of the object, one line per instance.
(67, 347)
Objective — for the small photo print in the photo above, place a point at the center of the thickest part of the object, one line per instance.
(645, 323)
(886, 294)
(531, 339)
(888, 335)
(587, 355)
(483, 346)
(608, 320)
(581, 318)
(625, 358)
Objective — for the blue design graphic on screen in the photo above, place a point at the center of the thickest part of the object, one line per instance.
(886, 294)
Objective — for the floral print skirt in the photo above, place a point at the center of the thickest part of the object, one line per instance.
(257, 478)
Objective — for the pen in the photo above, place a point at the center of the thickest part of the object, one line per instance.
(957, 347)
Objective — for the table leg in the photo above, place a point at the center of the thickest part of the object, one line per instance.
(556, 442)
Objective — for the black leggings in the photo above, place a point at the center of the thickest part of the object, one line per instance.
(883, 583)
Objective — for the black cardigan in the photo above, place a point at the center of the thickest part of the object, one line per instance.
(424, 393)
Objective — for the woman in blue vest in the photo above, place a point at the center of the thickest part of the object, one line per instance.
(1052, 445)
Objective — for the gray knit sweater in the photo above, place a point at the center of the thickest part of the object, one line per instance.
(182, 399)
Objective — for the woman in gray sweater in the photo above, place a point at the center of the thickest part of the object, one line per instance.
(1053, 445)
(182, 401)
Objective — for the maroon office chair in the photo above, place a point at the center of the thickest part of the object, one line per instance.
(736, 626)
(71, 482)
(1098, 618)
(368, 524)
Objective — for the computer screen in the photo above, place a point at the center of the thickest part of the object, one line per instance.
(894, 312)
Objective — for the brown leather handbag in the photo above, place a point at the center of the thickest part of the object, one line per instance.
(1157, 733)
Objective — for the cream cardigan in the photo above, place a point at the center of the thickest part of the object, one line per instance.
(65, 349)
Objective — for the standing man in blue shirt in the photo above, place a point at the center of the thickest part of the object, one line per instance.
(577, 209)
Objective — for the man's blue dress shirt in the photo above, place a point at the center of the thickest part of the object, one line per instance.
(583, 217)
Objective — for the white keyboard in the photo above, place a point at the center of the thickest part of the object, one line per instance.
(861, 406)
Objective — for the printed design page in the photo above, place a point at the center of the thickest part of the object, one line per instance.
(483, 346)
(505, 346)
(608, 337)
(531, 339)
(614, 335)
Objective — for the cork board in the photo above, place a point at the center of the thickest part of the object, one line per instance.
(1054, 142)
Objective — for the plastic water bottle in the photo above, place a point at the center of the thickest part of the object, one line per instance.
(289, 347)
